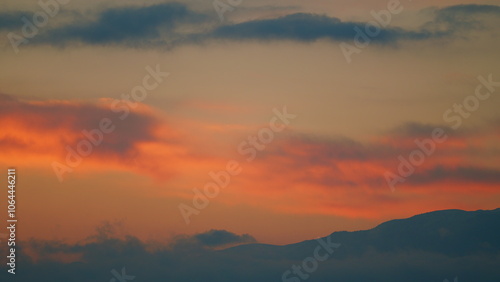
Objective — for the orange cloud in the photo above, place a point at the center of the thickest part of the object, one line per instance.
(296, 173)
(311, 175)
(104, 133)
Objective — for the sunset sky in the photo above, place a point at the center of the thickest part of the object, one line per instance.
(214, 82)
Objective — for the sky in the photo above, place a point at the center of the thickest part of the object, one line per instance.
(301, 117)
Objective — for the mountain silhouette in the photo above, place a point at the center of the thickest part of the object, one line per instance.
(448, 232)
(436, 246)
(458, 243)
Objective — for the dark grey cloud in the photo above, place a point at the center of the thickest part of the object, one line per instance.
(209, 240)
(189, 257)
(168, 25)
(216, 238)
(308, 27)
(12, 20)
(421, 130)
(127, 25)
(414, 129)
(469, 10)
(300, 153)
(458, 20)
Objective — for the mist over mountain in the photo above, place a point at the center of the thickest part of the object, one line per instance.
(428, 247)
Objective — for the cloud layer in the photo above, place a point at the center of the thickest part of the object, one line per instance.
(297, 173)
(48, 131)
(171, 24)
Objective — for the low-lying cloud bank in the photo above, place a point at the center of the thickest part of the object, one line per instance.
(427, 247)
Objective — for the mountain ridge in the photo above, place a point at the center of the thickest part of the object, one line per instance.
(436, 231)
